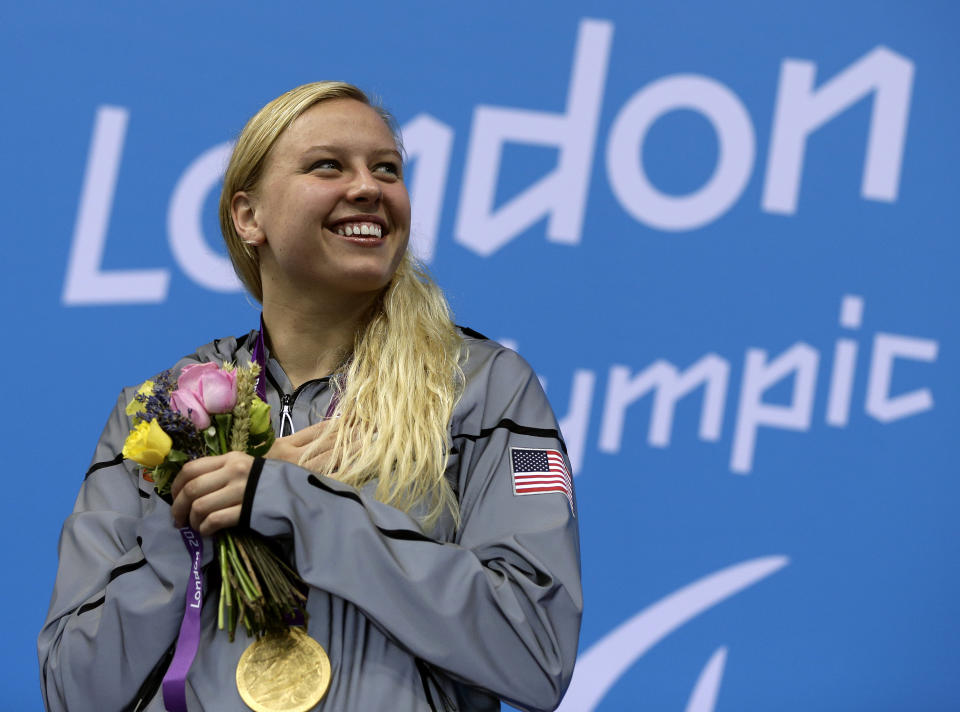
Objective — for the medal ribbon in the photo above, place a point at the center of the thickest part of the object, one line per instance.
(175, 681)
(259, 357)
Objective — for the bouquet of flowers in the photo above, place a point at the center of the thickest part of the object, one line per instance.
(212, 410)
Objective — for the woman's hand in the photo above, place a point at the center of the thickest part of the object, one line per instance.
(292, 447)
(208, 492)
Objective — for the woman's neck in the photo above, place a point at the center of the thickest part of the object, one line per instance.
(311, 341)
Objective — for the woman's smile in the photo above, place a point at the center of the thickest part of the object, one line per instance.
(367, 226)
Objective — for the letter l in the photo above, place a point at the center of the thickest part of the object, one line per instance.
(86, 282)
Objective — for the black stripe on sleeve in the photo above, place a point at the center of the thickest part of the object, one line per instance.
(90, 606)
(117, 572)
(125, 569)
(106, 463)
(246, 506)
(507, 424)
(403, 534)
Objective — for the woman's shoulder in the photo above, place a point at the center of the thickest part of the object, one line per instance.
(494, 374)
(501, 392)
(223, 350)
(482, 355)
(226, 349)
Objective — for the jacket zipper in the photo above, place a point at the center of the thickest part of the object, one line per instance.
(286, 418)
(286, 404)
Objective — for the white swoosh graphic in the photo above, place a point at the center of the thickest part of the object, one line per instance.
(704, 695)
(602, 665)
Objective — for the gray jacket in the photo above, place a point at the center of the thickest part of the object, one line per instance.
(453, 620)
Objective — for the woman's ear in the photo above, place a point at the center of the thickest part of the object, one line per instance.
(243, 210)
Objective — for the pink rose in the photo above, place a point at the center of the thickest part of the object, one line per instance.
(203, 389)
(187, 405)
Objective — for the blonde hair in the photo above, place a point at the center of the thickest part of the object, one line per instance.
(400, 386)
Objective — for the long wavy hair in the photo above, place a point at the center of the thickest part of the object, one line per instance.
(398, 390)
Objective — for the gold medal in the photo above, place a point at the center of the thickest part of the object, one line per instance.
(283, 672)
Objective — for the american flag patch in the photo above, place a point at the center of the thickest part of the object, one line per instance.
(539, 471)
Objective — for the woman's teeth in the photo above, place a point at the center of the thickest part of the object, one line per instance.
(348, 229)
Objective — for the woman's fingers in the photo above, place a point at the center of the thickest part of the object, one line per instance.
(197, 486)
(290, 447)
(307, 435)
(194, 469)
(215, 511)
(321, 453)
(282, 449)
(221, 519)
(210, 494)
(317, 439)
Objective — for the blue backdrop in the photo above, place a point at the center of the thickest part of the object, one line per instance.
(723, 234)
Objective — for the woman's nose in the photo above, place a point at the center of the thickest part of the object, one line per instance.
(364, 188)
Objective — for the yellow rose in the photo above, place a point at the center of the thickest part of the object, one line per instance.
(135, 408)
(147, 444)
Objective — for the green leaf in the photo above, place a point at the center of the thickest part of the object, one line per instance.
(212, 442)
(177, 456)
(164, 474)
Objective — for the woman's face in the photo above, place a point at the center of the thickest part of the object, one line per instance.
(331, 212)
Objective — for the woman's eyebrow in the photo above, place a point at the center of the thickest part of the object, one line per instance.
(390, 151)
(337, 149)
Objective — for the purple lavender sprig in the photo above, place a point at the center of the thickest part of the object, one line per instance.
(185, 437)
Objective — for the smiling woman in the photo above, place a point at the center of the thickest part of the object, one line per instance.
(398, 487)
(310, 197)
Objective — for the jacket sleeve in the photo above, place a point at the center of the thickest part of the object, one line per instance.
(497, 608)
(120, 589)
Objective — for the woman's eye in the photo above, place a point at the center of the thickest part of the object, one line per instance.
(389, 168)
(325, 164)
